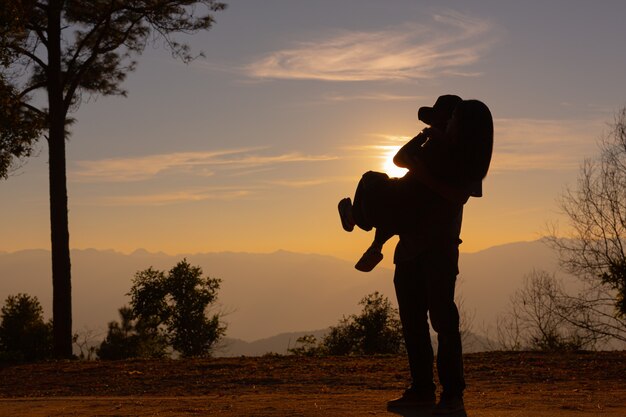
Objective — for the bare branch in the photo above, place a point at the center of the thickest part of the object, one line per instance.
(31, 88)
(30, 55)
(40, 33)
(34, 109)
(594, 250)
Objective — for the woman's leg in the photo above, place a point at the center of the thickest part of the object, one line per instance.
(366, 198)
(397, 205)
(374, 254)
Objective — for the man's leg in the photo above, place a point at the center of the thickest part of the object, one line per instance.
(444, 317)
(412, 304)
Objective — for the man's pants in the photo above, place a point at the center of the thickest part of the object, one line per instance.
(425, 287)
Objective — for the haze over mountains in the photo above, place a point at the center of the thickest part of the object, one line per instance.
(268, 294)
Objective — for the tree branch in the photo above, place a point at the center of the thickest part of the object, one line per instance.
(34, 109)
(81, 46)
(76, 79)
(33, 87)
(30, 55)
(40, 33)
(41, 6)
(95, 52)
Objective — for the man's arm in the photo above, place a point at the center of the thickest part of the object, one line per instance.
(404, 157)
(451, 193)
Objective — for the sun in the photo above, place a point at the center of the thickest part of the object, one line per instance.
(388, 166)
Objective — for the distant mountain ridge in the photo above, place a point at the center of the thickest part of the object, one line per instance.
(281, 343)
(261, 294)
(267, 294)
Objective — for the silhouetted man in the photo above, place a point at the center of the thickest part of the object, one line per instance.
(426, 262)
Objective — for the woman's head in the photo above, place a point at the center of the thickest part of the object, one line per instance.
(471, 130)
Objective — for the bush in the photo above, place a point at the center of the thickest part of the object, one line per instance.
(376, 330)
(130, 339)
(306, 345)
(24, 336)
(168, 311)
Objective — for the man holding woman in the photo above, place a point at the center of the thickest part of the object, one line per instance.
(425, 209)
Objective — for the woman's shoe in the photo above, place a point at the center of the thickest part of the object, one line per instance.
(345, 213)
(369, 260)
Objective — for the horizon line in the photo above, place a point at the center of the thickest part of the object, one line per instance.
(160, 252)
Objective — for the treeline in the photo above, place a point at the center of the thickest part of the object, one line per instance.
(169, 315)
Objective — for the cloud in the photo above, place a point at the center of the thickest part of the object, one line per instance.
(235, 161)
(260, 160)
(527, 144)
(253, 190)
(519, 144)
(310, 182)
(392, 139)
(144, 167)
(382, 146)
(449, 43)
(372, 97)
(174, 197)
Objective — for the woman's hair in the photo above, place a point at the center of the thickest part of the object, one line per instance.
(475, 141)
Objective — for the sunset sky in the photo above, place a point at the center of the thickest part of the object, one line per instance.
(250, 148)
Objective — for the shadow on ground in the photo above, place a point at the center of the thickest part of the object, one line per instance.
(423, 413)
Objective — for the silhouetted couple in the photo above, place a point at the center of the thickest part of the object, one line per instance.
(447, 162)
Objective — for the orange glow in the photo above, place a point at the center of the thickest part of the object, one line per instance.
(388, 166)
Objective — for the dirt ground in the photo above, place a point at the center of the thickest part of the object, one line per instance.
(499, 384)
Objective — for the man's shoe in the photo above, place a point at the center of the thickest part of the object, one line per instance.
(449, 404)
(413, 399)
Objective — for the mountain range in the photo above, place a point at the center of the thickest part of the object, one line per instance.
(267, 294)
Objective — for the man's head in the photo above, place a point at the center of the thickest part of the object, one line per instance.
(439, 114)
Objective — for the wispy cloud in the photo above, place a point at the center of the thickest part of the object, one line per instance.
(519, 144)
(372, 97)
(310, 182)
(236, 161)
(450, 43)
(380, 147)
(174, 197)
(392, 139)
(250, 190)
(526, 144)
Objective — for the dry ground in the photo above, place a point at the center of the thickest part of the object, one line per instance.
(499, 384)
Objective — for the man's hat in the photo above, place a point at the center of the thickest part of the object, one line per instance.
(444, 104)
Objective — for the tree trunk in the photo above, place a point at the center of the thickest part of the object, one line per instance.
(59, 225)
(60, 243)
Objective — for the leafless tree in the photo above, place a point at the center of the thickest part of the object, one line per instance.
(86, 342)
(508, 333)
(593, 247)
(536, 319)
(466, 320)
